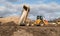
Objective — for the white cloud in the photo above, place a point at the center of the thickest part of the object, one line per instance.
(9, 8)
(2, 8)
(50, 11)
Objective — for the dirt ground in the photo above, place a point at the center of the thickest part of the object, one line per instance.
(11, 29)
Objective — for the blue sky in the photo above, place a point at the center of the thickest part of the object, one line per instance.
(50, 9)
(36, 1)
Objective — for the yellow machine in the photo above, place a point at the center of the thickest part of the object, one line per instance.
(40, 21)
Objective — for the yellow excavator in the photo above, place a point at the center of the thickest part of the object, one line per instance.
(40, 21)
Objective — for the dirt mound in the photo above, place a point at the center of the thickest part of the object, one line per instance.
(7, 29)
(9, 19)
(15, 19)
(11, 29)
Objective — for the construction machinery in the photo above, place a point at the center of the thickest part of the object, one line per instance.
(24, 15)
(40, 21)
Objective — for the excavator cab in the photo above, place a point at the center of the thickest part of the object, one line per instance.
(38, 20)
(40, 17)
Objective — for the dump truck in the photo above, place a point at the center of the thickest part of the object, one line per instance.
(24, 15)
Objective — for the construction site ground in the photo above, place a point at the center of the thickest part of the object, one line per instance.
(11, 29)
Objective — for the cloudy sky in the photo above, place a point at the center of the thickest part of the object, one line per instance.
(50, 9)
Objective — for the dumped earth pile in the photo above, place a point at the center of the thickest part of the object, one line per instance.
(11, 29)
(7, 29)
